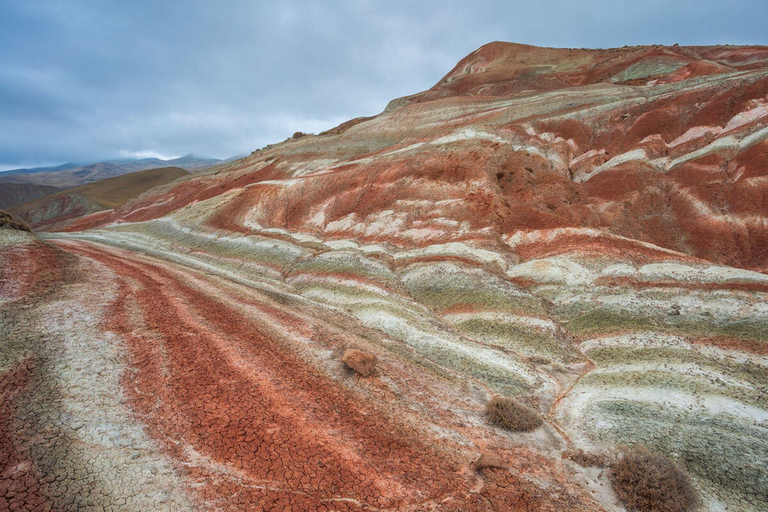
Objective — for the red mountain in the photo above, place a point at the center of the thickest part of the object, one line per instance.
(463, 303)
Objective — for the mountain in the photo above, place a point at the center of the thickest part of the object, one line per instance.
(59, 209)
(12, 194)
(72, 175)
(569, 242)
(681, 177)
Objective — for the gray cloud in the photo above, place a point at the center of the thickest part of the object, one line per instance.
(84, 79)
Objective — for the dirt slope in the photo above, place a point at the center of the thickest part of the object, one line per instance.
(671, 158)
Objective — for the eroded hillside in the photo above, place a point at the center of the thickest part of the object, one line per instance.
(582, 230)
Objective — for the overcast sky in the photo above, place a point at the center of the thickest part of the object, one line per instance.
(84, 80)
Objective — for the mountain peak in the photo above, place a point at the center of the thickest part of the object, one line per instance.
(505, 69)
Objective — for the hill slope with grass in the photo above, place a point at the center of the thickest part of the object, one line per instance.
(61, 208)
(13, 194)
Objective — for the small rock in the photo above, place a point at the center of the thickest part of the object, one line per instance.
(674, 311)
(486, 460)
(362, 362)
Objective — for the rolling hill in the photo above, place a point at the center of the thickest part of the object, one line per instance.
(12, 194)
(59, 209)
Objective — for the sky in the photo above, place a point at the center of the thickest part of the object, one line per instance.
(89, 80)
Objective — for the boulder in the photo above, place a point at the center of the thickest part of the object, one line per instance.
(487, 460)
(362, 362)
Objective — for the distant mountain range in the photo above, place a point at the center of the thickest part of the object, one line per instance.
(73, 174)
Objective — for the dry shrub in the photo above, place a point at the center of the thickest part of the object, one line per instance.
(647, 482)
(539, 359)
(10, 222)
(587, 459)
(557, 367)
(512, 415)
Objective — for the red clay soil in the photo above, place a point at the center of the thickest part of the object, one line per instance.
(29, 274)
(19, 480)
(261, 427)
(502, 69)
(29, 270)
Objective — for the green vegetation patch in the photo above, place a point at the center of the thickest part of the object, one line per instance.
(346, 262)
(263, 250)
(604, 321)
(752, 373)
(409, 327)
(341, 294)
(445, 286)
(648, 68)
(519, 338)
(697, 384)
(496, 377)
(442, 298)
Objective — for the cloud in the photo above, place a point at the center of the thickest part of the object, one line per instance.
(83, 80)
(147, 153)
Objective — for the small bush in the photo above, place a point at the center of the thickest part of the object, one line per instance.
(646, 482)
(512, 415)
(539, 359)
(587, 459)
(8, 221)
(557, 367)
